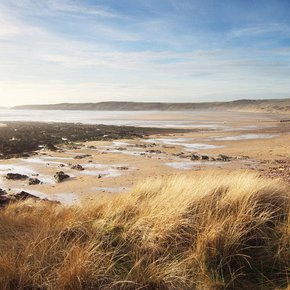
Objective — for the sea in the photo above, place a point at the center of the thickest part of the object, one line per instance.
(121, 118)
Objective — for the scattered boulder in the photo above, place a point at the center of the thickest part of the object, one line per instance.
(24, 195)
(16, 176)
(33, 181)
(142, 145)
(204, 157)
(121, 149)
(195, 157)
(60, 176)
(2, 191)
(82, 156)
(122, 168)
(178, 154)
(77, 167)
(50, 147)
(154, 151)
(5, 199)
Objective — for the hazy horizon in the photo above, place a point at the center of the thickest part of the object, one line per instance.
(124, 101)
(76, 51)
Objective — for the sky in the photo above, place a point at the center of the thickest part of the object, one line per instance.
(55, 51)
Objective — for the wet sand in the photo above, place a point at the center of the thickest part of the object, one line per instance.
(252, 142)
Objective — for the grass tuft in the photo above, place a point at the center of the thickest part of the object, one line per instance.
(206, 232)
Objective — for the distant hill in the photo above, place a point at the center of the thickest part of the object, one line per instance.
(281, 105)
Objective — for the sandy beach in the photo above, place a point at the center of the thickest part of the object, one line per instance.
(248, 142)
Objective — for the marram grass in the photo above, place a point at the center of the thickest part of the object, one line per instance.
(207, 232)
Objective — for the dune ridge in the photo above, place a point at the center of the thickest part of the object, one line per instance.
(203, 232)
(266, 105)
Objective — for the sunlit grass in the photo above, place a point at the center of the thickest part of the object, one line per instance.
(209, 232)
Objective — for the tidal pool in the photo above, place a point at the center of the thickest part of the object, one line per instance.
(64, 198)
(245, 137)
(181, 142)
(191, 164)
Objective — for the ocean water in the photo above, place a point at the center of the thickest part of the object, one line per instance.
(122, 118)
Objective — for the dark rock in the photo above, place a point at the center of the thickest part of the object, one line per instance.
(121, 149)
(60, 176)
(99, 176)
(4, 200)
(204, 157)
(77, 167)
(24, 195)
(195, 157)
(50, 147)
(2, 192)
(16, 176)
(122, 168)
(33, 181)
(154, 151)
(142, 145)
(82, 156)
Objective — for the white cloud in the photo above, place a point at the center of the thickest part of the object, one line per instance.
(45, 7)
(261, 29)
(39, 66)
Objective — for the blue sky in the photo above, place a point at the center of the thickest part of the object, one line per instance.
(55, 51)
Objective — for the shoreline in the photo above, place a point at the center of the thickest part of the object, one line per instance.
(105, 160)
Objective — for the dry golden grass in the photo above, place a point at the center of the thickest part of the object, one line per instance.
(211, 232)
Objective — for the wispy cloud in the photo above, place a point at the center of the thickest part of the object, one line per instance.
(261, 29)
(73, 8)
(70, 49)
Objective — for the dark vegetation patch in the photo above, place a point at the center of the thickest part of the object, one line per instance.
(19, 138)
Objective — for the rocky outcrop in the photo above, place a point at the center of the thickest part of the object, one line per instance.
(16, 176)
(61, 176)
(33, 181)
(204, 157)
(22, 138)
(50, 147)
(77, 167)
(195, 157)
(82, 156)
(122, 168)
(6, 198)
